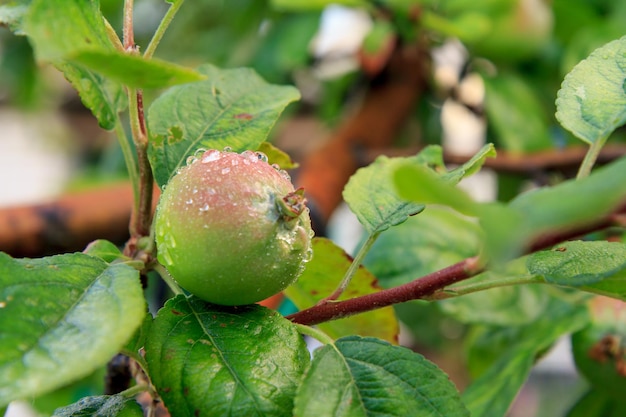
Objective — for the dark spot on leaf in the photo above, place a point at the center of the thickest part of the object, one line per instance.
(186, 391)
(176, 313)
(314, 292)
(166, 390)
(222, 324)
(87, 40)
(561, 249)
(196, 412)
(244, 116)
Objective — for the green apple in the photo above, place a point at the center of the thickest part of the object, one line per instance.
(231, 229)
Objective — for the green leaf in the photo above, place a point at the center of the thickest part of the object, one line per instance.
(277, 156)
(472, 166)
(516, 114)
(104, 250)
(435, 239)
(613, 286)
(320, 278)
(371, 196)
(243, 361)
(578, 263)
(366, 376)
(303, 5)
(62, 317)
(591, 102)
(420, 184)
(133, 70)
(101, 406)
(501, 306)
(492, 392)
(233, 108)
(545, 211)
(597, 403)
(58, 28)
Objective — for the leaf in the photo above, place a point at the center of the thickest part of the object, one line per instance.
(58, 28)
(304, 5)
(366, 376)
(134, 71)
(578, 263)
(101, 406)
(62, 317)
(591, 102)
(435, 239)
(320, 278)
(277, 156)
(104, 250)
(243, 361)
(105, 98)
(233, 108)
(492, 393)
(420, 184)
(371, 196)
(596, 403)
(516, 114)
(509, 229)
(472, 166)
(613, 286)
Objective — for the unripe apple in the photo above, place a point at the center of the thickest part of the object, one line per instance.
(231, 229)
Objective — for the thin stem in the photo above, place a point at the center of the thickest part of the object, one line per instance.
(590, 158)
(160, 269)
(129, 159)
(165, 23)
(316, 334)
(141, 218)
(452, 292)
(128, 32)
(354, 267)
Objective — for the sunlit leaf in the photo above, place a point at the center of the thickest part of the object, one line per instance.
(320, 278)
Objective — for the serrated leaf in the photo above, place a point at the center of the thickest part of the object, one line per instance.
(492, 393)
(435, 239)
(542, 212)
(101, 406)
(366, 376)
(578, 263)
(320, 278)
(57, 309)
(591, 102)
(133, 70)
(233, 108)
(370, 194)
(240, 361)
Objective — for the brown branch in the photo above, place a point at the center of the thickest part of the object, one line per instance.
(416, 289)
(428, 285)
(67, 224)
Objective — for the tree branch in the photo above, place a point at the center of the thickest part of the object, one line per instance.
(428, 285)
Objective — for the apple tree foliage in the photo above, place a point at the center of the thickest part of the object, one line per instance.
(518, 274)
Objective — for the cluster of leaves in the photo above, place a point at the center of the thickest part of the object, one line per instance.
(65, 316)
